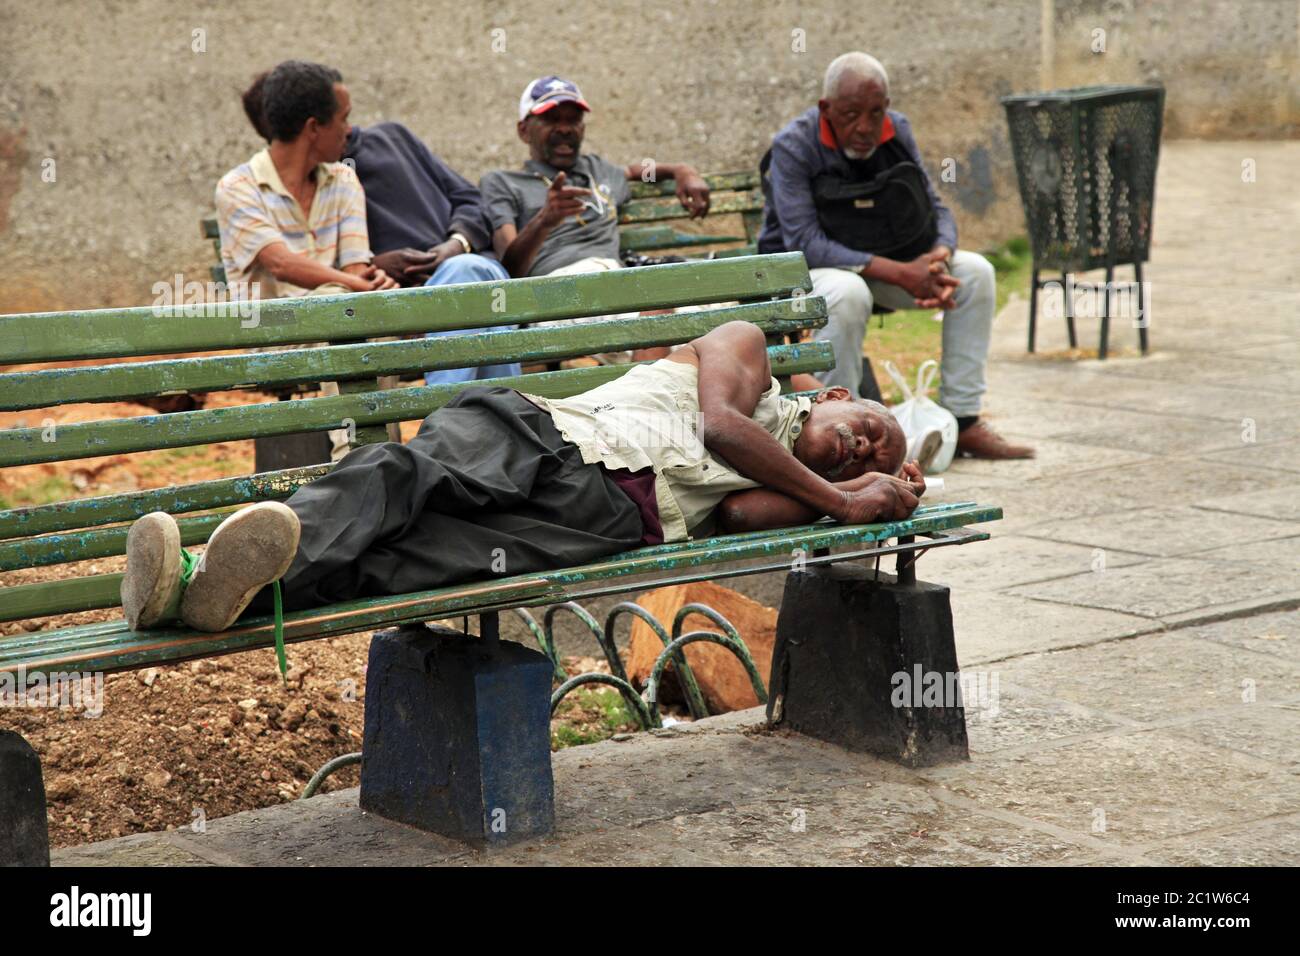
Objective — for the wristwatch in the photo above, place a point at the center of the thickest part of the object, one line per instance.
(464, 243)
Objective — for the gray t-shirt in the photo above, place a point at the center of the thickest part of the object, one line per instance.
(516, 196)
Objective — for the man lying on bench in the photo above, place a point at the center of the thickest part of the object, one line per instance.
(497, 482)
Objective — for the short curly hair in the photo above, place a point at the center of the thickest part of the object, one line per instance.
(294, 92)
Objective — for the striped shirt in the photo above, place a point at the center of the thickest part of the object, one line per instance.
(254, 210)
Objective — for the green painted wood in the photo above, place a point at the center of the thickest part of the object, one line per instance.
(209, 228)
(123, 649)
(26, 446)
(102, 543)
(178, 499)
(654, 210)
(718, 182)
(664, 237)
(749, 250)
(98, 648)
(49, 387)
(218, 273)
(105, 333)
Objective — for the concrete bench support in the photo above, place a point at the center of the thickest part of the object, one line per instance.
(457, 736)
(850, 652)
(24, 836)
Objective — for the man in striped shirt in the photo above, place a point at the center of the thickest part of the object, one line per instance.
(293, 218)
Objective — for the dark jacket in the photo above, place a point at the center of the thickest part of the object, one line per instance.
(799, 154)
(412, 197)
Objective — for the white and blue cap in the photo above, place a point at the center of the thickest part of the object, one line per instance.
(549, 91)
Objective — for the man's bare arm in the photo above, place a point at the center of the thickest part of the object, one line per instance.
(518, 249)
(734, 373)
(759, 509)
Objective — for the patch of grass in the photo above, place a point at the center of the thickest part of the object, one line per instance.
(910, 336)
(589, 715)
(53, 488)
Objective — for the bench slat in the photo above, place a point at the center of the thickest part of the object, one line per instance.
(176, 499)
(110, 333)
(665, 237)
(655, 210)
(107, 649)
(718, 182)
(49, 387)
(84, 545)
(26, 446)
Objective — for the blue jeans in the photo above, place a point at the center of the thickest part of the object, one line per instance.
(468, 268)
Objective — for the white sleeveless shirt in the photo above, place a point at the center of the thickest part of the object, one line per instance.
(649, 418)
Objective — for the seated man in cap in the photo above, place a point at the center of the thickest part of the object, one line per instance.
(559, 213)
(822, 200)
(502, 483)
(425, 220)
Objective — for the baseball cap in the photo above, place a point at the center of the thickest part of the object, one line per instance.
(548, 91)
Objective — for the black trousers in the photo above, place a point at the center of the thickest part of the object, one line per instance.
(488, 488)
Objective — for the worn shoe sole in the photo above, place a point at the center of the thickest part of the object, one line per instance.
(151, 585)
(248, 551)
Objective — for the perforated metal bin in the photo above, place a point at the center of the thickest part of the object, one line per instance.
(1086, 163)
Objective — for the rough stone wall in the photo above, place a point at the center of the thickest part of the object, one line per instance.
(139, 125)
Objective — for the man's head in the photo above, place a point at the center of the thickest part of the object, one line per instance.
(845, 437)
(307, 100)
(855, 96)
(551, 121)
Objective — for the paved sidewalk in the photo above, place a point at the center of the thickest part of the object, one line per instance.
(1136, 612)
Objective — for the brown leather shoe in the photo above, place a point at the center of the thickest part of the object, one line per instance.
(980, 441)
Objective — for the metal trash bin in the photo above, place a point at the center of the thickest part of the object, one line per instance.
(1086, 162)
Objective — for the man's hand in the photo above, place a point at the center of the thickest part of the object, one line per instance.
(692, 192)
(561, 202)
(372, 279)
(925, 279)
(410, 266)
(880, 497)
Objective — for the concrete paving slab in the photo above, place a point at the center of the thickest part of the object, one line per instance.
(869, 824)
(1276, 634)
(1054, 458)
(1006, 716)
(1163, 587)
(1281, 503)
(1156, 678)
(1279, 558)
(1164, 532)
(1273, 842)
(990, 627)
(139, 849)
(1139, 786)
(1266, 731)
(1006, 560)
(1281, 455)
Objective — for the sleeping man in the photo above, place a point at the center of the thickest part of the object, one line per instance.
(499, 482)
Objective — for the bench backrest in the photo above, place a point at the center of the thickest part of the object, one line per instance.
(648, 222)
(769, 291)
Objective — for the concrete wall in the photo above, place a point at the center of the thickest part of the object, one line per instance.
(137, 126)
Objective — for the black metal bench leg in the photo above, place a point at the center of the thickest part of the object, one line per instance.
(458, 734)
(1142, 308)
(1104, 347)
(1067, 290)
(853, 660)
(1033, 307)
(24, 835)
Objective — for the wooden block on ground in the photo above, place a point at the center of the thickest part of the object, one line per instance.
(720, 674)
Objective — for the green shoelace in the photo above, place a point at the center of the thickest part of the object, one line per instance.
(190, 564)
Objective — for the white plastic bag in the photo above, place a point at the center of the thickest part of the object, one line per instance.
(919, 415)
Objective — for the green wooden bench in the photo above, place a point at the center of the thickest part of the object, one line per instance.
(647, 222)
(770, 291)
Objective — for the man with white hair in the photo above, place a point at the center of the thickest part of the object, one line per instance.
(845, 185)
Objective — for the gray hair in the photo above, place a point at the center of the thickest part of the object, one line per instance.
(853, 64)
